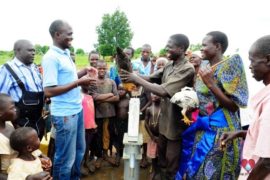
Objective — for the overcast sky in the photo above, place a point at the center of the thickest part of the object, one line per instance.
(151, 21)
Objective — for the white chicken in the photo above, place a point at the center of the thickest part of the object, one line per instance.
(186, 99)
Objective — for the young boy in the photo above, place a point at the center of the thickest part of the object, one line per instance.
(105, 96)
(255, 162)
(26, 166)
(152, 115)
(7, 113)
(122, 120)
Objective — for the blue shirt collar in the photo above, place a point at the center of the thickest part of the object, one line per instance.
(61, 51)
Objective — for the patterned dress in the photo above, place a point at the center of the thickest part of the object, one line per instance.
(230, 78)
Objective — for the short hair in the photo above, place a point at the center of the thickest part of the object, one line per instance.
(4, 98)
(180, 40)
(146, 46)
(132, 50)
(262, 46)
(19, 139)
(101, 61)
(55, 26)
(20, 43)
(93, 52)
(221, 38)
(162, 59)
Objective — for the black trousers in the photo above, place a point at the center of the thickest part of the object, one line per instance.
(168, 157)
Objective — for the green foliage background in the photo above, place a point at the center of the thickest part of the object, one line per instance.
(81, 59)
(113, 31)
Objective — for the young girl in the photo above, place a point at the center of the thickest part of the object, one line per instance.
(7, 113)
(89, 125)
(255, 163)
(26, 166)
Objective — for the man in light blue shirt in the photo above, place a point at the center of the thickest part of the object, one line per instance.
(61, 82)
(29, 84)
(143, 64)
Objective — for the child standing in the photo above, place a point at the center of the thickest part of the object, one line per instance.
(89, 125)
(151, 125)
(122, 121)
(105, 95)
(26, 166)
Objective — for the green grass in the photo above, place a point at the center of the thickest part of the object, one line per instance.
(81, 60)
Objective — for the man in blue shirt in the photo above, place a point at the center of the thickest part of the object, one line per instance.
(143, 64)
(61, 83)
(27, 92)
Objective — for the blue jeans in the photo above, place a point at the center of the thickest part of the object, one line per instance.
(69, 146)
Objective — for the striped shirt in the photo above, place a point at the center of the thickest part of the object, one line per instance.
(29, 75)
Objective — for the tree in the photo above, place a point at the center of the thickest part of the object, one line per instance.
(113, 31)
(38, 49)
(72, 49)
(44, 49)
(80, 51)
(41, 50)
(162, 52)
(137, 53)
(195, 47)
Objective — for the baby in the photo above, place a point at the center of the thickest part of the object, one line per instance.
(26, 166)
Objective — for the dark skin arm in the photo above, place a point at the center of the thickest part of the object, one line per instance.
(39, 176)
(45, 162)
(229, 136)
(82, 81)
(261, 169)
(208, 79)
(108, 97)
(146, 78)
(112, 99)
(148, 103)
(82, 73)
(154, 88)
(91, 71)
(102, 97)
(57, 90)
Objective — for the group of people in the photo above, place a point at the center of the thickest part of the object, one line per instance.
(89, 111)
